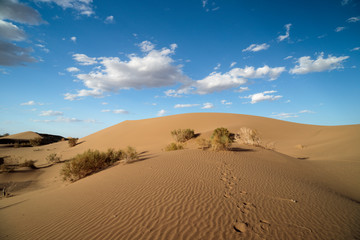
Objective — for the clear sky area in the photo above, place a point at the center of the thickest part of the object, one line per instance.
(74, 67)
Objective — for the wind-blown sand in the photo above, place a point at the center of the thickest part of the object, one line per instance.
(307, 189)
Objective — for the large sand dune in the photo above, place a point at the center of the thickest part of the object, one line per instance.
(307, 189)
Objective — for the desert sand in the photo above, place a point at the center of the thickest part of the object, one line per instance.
(308, 187)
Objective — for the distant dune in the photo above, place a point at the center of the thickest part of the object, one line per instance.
(308, 188)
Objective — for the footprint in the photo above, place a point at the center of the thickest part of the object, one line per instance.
(240, 227)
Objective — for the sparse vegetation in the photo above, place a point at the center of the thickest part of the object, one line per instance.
(53, 158)
(35, 141)
(72, 141)
(203, 143)
(16, 145)
(183, 135)
(28, 163)
(248, 136)
(174, 146)
(92, 161)
(221, 139)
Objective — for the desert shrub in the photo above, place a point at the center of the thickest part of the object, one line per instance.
(35, 141)
(53, 158)
(174, 147)
(182, 135)
(89, 162)
(28, 163)
(203, 143)
(72, 141)
(221, 139)
(130, 154)
(248, 136)
(16, 145)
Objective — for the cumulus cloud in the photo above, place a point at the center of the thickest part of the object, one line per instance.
(217, 67)
(242, 89)
(146, 46)
(256, 47)
(66, 120)
(186, 105)
(263, 96)
(9, 31)
(154, 69)
(354, 19)
(12, 55)
(72, 69)
(51, 113)
(306, 64)
(161, 112)
(83, 93)
(84, 7)
(31, 103)
(287, 34)
(225, 102)
(288, 57)
(73, 39)
(18, 12)
(208, 105)
(339, 29)
(82, 59)
(109, 19)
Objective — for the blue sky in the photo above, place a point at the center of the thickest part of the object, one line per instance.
(73, 67)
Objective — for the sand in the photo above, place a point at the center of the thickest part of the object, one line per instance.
(307, 189)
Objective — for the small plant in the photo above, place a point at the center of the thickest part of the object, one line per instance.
(35, 141)
(53, 158)
(174, 147)
(28, 163)
(182, 135)
(16, 145)
(203, 143)
(221, 139)
(130, 154)
(248, 136)
(72, 141)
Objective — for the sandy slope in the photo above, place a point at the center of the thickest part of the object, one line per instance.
(194, 194)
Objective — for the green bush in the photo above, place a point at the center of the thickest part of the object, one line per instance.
(130, 154)
(174, 147)
(53, 158)
(89, 162)
(221, 139)
(35, 141)
(72, 141)
(182, 135)
(203, 143)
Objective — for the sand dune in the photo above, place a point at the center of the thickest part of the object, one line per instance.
(250, 193)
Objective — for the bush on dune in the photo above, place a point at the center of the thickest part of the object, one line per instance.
(72, 141)
(221, 139)
(174, 147)
(183, 135)
(203, 143)
(248, 136)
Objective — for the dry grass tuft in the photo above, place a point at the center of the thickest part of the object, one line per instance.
(248, 136)
(72, 141)
(174, 147)
(35, 141)
(183, 135)
(221, 139)
(203, 143)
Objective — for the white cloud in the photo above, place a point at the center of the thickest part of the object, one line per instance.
(207, 105)
(106, 110)
(84, 60)
(73, 39)
(287, 34)
(242, 89)
(186, 105)
(146, 46)
(345, 2)
(161, 112)
(9, 31)
(307, 65)
(51, 113)
(84, 7)
(339, 29)
(67, 120)
(109, 19)
(288, 57)
(29, 103)
(83, 93)
(72, 69)
(354, 19)
(232, 64)
(256, 47)
(306, 111)
(225, 102)
(104, 103)
(43, 48)
(155, 69)
(18, 12)
(217, 67)
(290, 115)
(204, 2)
(120, 111)
(355, 49)
(263, 96)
